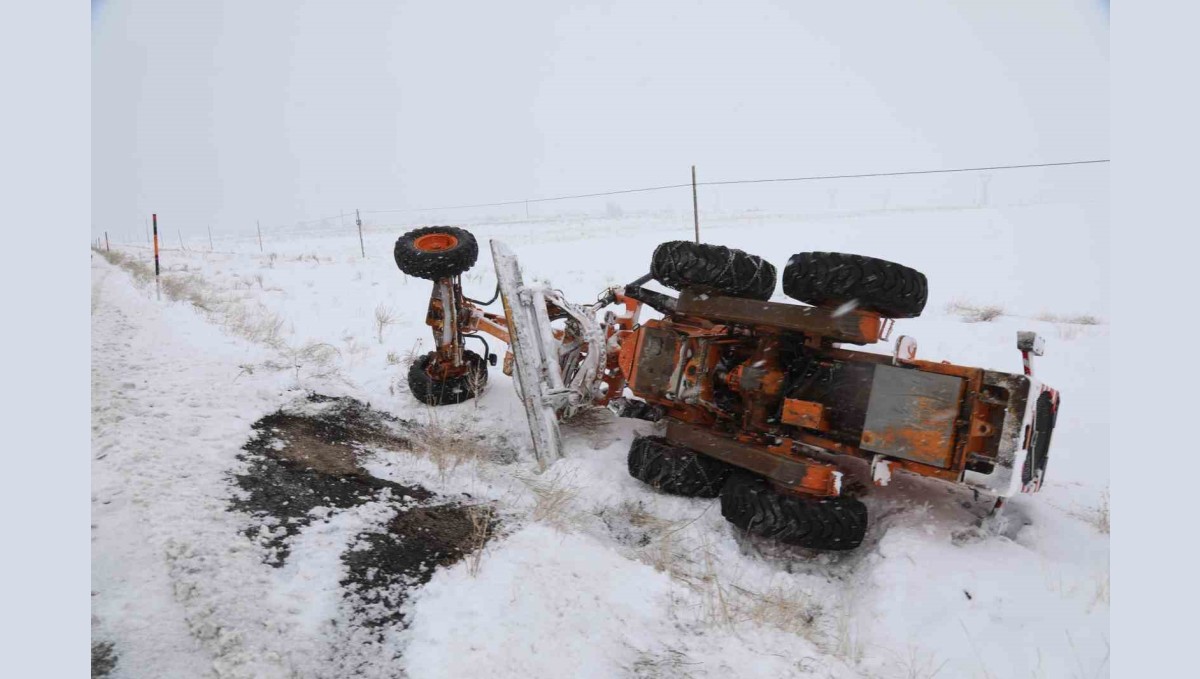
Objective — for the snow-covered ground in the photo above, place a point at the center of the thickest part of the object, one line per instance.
(593, 573)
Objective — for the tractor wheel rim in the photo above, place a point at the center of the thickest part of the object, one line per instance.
(435, 242)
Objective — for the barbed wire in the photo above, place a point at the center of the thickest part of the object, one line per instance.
(736, 181)
(528, 201)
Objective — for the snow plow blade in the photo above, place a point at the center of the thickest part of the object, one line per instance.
(534, 361)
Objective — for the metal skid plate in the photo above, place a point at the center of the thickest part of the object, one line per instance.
(855, 327)
(532, 363)
(911, 415)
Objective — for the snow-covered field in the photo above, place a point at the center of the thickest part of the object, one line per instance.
(592, 573)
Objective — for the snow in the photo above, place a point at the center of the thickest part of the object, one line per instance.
(612, 578)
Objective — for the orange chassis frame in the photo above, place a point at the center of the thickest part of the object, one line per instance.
(793, 450)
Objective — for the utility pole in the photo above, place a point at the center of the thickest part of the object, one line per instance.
(259, 225)
(358, 219)
(695, 205)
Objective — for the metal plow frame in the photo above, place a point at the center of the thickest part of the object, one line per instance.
(539, 362)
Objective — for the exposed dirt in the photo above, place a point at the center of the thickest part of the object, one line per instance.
(308, 457)
(297, 463)
(104, 660)
(416, 542)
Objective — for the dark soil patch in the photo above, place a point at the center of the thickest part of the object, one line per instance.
(298, 462)
(417, 541)
(104, 660)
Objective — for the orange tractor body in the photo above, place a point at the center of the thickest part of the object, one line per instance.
(762, 401)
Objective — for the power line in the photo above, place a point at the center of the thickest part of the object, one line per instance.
(739, 181)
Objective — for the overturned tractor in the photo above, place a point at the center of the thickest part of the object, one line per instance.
(762, 401)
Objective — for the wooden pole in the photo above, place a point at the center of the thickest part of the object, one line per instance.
(259, 225)
(358, 219)
(106, 241)
(180, 234)
(695, 205)
(210, 247)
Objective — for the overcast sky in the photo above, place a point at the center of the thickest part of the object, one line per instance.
(224, 111)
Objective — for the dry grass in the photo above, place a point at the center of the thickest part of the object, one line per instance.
(553, 498)
(481, 529)
(445, 445)
(1100, 515)
(667, 663)
(1075, 319)
(918, 664)
(254, 323)
(384, 316)
(314, 360)
(728, 604)
(975, 314)
(590, 419)
(1066, 331)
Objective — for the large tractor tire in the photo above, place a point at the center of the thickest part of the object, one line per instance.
(715, 269)
(834, 278)
(835, 523)
(427, 388)
(435, 252)
(674, 469)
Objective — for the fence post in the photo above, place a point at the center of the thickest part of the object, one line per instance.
(155, 217)
(106, 241)
(259, 225)
(358, 218)
(695, 205)
(210, 247)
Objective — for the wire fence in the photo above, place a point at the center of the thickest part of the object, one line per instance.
(355, 217)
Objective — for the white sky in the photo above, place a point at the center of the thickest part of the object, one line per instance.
(225, 111)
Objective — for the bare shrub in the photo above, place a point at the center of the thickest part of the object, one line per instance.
(393, 358)
(918, 664)
(413, 353)
(481, 529)
(975, 314)
(1084, 319)
(384, 316)
(319, 358)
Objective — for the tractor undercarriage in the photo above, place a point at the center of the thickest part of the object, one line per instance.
(761, 399)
